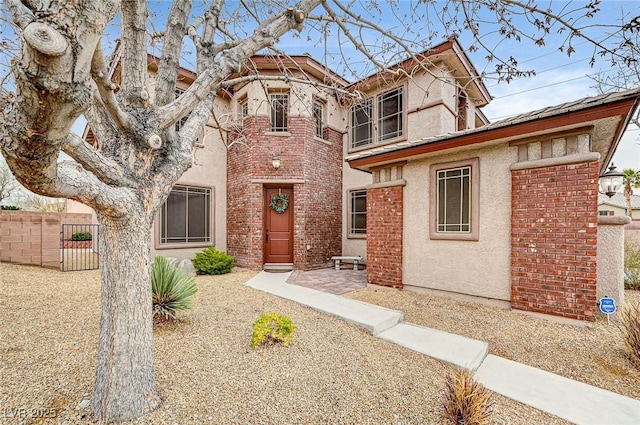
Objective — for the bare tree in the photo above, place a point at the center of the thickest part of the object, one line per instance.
(8, 184)
(60, 72)
(623, 75)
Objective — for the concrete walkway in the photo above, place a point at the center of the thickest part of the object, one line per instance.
(570, 400)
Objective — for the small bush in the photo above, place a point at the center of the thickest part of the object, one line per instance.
(272, 328)
(631, 263)
(172, 289)
(630, 326)
(9, 208)
(81, 236)
(466, 401)
(212, 261)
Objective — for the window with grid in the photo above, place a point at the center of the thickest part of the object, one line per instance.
(279, 111)
(362, 124)
(318, 116)
(243, 109)
(185, 217)
(358, 212)
(390, 115)
(454, 200)
(606, 212)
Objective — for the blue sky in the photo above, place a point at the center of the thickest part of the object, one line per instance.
(559, 78)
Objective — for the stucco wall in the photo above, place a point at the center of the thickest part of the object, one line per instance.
(478, 268)
(610, 267)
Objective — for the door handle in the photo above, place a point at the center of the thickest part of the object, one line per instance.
(267, 235)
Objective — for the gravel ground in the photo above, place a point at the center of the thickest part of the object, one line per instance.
(592, 355)
(332, 373)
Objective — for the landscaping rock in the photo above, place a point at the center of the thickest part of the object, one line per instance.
(185, 265)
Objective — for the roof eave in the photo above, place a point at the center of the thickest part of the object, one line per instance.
(622, 107)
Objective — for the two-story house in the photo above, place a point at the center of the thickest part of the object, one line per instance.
(403, 168)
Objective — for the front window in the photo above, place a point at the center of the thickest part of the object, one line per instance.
(362, 124)
(454, 200)
(357, 212)
(279, 111)
(317, 116)
(390, 115)
(185, 217)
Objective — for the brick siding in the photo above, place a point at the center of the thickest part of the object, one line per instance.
(554, 220)
(33, 238)
(317, 203)
(384, 236)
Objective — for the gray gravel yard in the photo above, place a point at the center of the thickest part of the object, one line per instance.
(594, 355)
(332, 373)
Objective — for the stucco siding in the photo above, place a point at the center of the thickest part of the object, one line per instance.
(209, 170)
(478, 268)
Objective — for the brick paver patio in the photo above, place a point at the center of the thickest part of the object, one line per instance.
(330, 280)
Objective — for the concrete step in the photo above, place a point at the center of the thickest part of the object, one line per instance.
(571, 400)
(373, 318)
(454, 349)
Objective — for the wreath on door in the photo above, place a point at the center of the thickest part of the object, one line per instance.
(279, 203)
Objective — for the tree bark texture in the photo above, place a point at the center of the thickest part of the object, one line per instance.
(124, 384)
(62, 73)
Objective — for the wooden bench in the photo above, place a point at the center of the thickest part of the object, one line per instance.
(356, 260)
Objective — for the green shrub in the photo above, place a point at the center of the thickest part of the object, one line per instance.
(9, 208)
(172, 289)
(212, 261)
(81, 236)
(272, 328)
(466, 401)
(630, 326)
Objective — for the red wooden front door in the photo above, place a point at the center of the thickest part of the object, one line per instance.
(278, 227)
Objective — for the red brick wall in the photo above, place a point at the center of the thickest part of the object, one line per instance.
(384, 236)
(317, 203)
(33, 238)
(554, 220)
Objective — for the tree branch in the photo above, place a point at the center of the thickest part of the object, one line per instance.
(230, 61)
(134, 59)
(21, 16)
(91, 159)
(171, 48)
(107, 88)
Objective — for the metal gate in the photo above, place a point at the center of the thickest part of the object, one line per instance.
(79, 247)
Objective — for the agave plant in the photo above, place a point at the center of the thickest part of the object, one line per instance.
(173, 290)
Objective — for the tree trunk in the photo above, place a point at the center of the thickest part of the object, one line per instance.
(124, 386)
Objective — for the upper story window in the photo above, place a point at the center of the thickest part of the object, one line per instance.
(279, 111)
(318, 113)
(388, 114)
(463, 110)
(243, 108)
(362, 124)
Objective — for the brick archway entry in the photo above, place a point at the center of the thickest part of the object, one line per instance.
(278, 228)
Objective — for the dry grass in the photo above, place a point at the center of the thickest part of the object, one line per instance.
(595, 355)
(332, 372)
(630, 328)
(466, 401)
